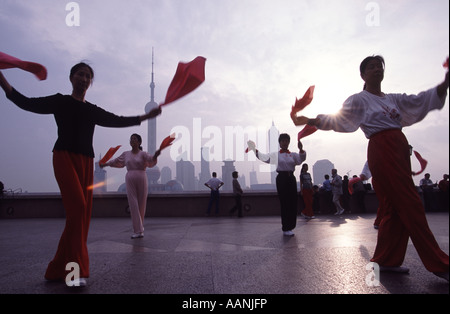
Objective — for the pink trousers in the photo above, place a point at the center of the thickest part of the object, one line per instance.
(137, 191)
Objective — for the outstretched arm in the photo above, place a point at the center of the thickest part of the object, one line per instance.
(152, 114)
(302, 120)
(5, 84)
(442, 88)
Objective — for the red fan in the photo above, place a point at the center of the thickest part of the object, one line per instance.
(109, 154)
(187, 78)
(300, 104)
(423, 163)
(8, 62)
(307, 130)
(167, 141)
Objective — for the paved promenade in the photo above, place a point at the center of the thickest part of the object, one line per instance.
(216, 255)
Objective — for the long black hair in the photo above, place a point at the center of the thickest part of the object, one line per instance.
(139, 138)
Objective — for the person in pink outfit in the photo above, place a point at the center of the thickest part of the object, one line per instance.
(136, 162)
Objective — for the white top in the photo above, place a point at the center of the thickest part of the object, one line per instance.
(284, 161)
(138, 161)
(373, 114)
(214, 183)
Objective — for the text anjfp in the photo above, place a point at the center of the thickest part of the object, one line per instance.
(249, 304)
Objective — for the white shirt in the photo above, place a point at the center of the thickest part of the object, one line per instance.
(284, 161)
(214, 183)
(139, 161)
(373, 114)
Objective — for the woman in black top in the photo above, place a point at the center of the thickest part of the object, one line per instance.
(73, 156)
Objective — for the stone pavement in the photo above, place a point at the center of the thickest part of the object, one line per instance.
(216, 255)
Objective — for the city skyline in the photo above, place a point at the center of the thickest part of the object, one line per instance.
(261, 55)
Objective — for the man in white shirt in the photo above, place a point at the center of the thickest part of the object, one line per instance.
(214, 184)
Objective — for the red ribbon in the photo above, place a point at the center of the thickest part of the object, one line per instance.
(8, 62)
(109, 154)
(423, 163)
(167, 141)
(300, 104)
(307, 130)
(187, 78)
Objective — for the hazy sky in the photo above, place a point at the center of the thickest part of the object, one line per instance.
(261, 55)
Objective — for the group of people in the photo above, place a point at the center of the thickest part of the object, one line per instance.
(339, 194)
(214, 184)
(380, 116)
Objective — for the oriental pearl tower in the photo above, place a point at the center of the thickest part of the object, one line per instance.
(154, 173)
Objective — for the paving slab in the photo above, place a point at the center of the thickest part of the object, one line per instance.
(217, 256)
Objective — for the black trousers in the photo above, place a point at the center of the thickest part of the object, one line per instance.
(287, 194)
(238, 205)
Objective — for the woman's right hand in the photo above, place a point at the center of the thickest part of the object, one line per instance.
(302, 120)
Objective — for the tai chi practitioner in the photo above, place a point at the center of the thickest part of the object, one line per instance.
(136, 182)
(381, 117)
(73, 164)
(285, 181)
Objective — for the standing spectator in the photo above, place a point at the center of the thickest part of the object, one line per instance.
(325, 190)
(443, 184)
(345, 195)
(316, 197)
(444, 193)
(307, 192)
(237, 192)
(336, 189)
(214, 185)
(359, 193)
(427, 187)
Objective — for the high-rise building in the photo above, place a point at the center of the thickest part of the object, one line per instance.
(166, 175)
(205, 173)
(151, 133)
(253, 176)
(99, 179)
(185, 173)
(274, 146)
(227, 169)
(320, 169)
(153, 174)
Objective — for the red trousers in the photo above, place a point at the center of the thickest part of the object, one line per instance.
(74, 174)
(404, 217)
(307, 195)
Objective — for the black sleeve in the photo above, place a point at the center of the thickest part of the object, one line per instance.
(41, 105)
(108, 119)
